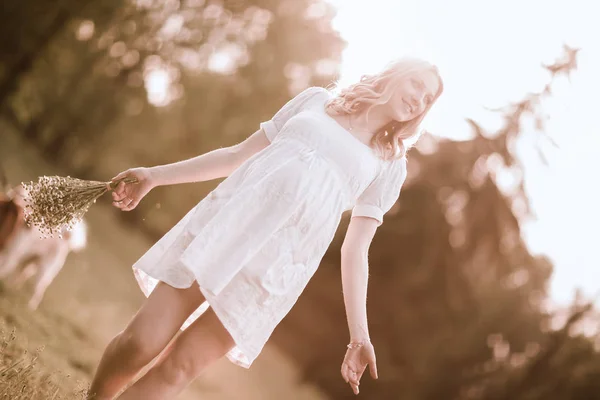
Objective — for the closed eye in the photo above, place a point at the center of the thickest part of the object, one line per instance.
(416, 83)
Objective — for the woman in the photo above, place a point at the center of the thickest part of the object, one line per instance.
(233, 267)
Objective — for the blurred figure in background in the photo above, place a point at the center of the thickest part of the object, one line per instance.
(24, 255)
(11, 219)
(11, 214)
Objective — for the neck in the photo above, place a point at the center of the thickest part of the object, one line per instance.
(378, 118)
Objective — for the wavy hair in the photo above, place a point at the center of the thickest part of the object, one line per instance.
(377, 89)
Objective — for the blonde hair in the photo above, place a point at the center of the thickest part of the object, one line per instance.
(374, 90)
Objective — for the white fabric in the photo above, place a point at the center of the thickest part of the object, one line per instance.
(256, 240)
(382, 194)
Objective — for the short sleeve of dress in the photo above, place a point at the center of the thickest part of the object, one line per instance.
(289, 109)
(379, 197)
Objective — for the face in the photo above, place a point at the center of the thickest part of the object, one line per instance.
(413, 94)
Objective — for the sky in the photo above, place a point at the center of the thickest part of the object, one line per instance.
(489, 54)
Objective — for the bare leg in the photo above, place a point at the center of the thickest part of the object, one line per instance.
(12, 254)
(30, 269)
(202, 343)
(49, 266)
(150, 330)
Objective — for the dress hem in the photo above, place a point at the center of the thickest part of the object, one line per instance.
(209, 299)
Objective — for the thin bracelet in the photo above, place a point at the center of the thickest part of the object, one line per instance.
(356, 345)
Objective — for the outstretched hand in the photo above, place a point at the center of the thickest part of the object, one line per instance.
(355, 363)
(127, 196)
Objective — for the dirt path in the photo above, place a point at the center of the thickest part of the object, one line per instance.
(95, 295)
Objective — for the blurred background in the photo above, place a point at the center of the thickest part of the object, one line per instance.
(484, 276)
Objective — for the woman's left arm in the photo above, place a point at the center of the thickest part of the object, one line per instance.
(355, 273)
(367, 215)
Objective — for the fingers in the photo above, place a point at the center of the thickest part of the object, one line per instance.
(121, 203)
(360, 374)
(350, 378)
(119, 192)
(353, 378)
(130, 175)
(123, 198)
(373, 369)
(354, 366)
(349, 375)
(133, 204)
(345, 372)
(126, 204)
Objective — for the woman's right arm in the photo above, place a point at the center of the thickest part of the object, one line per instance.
(215, 164)
(222, 162)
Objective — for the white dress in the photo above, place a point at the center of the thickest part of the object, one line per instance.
(254, 242)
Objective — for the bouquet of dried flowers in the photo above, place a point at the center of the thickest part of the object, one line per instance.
(55, 203)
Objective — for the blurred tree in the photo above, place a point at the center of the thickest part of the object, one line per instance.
(24, 42)
(565, 367)
(113, 59)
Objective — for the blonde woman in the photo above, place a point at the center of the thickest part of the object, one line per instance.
(234, 266)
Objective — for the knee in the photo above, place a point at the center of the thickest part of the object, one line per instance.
(178, 369)
(133, 347)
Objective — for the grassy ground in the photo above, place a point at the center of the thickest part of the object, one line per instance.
(29, 370)
(89, 302)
